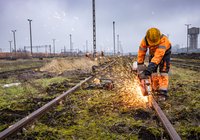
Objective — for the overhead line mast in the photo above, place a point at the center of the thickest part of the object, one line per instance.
(114, 37)
(94, 28)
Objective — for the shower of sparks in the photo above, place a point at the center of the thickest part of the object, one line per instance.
(131, 93)
(128, 87)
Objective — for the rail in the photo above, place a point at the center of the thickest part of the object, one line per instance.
(166, 123)
(18, 70)
(33, 116)
(190, 65)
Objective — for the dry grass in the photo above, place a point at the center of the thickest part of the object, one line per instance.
(61, 65)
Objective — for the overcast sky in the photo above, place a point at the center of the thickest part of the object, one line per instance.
(59, 18)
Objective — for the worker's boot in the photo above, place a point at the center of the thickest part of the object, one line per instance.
(162, 95)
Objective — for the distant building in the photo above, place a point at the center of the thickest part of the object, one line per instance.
(193, 38)
(193, 42)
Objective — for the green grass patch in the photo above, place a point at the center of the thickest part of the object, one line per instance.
(92, 114)
(45, 82)
(20, 64)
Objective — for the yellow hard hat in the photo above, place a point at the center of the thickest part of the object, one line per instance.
(153, 36)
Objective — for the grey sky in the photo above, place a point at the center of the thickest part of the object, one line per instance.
(59, 18)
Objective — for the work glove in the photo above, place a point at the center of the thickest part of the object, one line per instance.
(142, 75)
(151, 68)
(134, 66)
(148, 71)
(141, 68)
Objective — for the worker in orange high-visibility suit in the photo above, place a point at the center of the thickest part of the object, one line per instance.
(159, 56)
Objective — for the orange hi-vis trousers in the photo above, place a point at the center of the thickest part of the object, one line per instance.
(160, 81)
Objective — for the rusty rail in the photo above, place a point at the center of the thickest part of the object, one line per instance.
(18, 70)
(33, 116)
(166, 123)
(186, 65)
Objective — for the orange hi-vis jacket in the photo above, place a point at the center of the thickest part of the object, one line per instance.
(157, 51)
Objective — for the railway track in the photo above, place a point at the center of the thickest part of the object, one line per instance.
(15, 67)
(166, 123)
(186, 64)
(11, 72)
(38, 113)
(42, 110)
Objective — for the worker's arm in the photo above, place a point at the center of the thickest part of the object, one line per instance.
(158, 56)
(160, 52)
(141, 52)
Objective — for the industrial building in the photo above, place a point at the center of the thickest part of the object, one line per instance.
(193, 37)
(193, 47)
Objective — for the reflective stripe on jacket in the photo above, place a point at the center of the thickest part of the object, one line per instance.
(157, 51)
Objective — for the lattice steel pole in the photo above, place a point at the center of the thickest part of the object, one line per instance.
(114, 36)
(94, 28)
